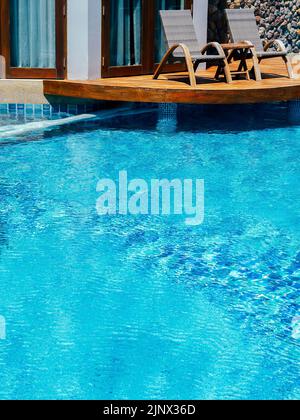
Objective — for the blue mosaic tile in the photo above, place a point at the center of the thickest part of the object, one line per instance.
(46, 109)
(89, 108)
(81, 109)
(38, 109)
(63, 108)
(72, 109)
(56, 109)
(3, 108)
(12, 107)
(28, 110)
(31, 110)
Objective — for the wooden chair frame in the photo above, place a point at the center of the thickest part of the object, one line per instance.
(279, 45)
(193, 63)
(257, 52)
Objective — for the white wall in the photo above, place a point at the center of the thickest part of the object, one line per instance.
(2, 67)
(84, 39)
(201, 20)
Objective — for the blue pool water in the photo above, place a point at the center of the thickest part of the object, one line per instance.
(143, 307)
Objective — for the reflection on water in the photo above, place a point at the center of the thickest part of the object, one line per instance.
(146, 307)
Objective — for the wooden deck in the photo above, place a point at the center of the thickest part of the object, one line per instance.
(174, 88)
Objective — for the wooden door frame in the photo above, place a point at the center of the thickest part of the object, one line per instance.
(116, 71)
(60, 71)
(147, 49)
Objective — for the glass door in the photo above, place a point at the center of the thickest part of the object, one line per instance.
(125, 35)
(33, 38)
(122, 37)
(133, 41)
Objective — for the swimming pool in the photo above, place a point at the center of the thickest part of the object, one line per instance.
(144, 307)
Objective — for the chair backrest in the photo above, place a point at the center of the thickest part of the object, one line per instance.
(179, 29)
(243, 27)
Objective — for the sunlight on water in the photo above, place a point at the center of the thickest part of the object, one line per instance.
(146, 307)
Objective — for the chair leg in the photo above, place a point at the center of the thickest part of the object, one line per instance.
(256, 66)
(196, 65)
(188, 60)
(163, 62)
(219, 72)
(241, 66)
(223, 68)
(244, 64)
(287, 62)
(289, 67)
(230, 57)
(227, 71)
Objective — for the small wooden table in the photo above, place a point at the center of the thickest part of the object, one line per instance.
(240, 50)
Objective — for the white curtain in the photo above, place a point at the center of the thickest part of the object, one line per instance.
(33, 33)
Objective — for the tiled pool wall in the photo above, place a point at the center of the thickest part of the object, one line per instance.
(285, 110)
(294, 112)
(46, 110)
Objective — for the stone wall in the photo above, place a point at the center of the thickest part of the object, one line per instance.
(276, 19)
